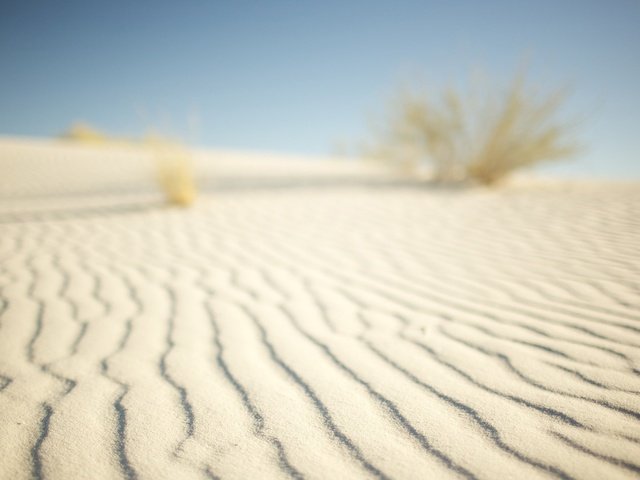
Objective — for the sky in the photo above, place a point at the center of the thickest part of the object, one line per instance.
(304, 76)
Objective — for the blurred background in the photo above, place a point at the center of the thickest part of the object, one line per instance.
(303, 77)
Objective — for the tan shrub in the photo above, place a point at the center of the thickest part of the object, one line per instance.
(482, 136)
(174, 171)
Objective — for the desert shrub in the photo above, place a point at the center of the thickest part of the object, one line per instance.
(482, 136)
(419, 132)
(172, 161)
(174, 171)
(84, 133)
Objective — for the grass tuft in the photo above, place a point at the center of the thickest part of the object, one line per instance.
(84, 133)
(483, 136)
(174, 171)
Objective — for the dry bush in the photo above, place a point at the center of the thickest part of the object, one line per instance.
(419, 132)
(174, 171)
(84, 133)
(482, 136)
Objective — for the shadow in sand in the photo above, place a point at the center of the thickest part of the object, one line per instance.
(23, 216)
(231, 183)
(210, 186)
(92, 191)
(244, 183)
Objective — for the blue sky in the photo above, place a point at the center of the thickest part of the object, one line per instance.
(299, 76)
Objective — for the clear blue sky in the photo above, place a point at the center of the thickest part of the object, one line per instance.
(297, 76)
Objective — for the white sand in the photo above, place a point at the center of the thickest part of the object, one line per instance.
(316, 320)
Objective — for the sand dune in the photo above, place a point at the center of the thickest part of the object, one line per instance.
(312, 320)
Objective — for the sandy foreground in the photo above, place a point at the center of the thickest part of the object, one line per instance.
(312, 319)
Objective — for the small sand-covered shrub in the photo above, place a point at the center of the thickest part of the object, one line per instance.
(481, 136)
(172, 161)
(174, 171)
(84, 133)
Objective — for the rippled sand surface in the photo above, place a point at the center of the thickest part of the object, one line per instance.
(312, 320)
